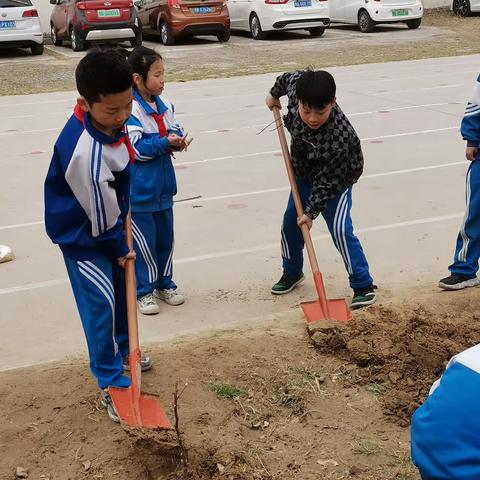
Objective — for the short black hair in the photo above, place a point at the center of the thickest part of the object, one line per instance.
(141, 59)
(316, 89)
(103, 71)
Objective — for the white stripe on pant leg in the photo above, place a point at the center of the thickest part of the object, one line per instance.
(92, 267)
(336, 224)
(110, 301)
(107, 288)
(282, 248)
(287, 248)
(147, 252)
(144, 254)
(462, 255)
(340, 230)
(344, 238)
(169, 262)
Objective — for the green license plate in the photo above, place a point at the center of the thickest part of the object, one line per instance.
(109, 13)
(399, 13)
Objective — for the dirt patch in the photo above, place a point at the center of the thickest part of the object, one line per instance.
(398, 350)
(449, 36)
(259, 404)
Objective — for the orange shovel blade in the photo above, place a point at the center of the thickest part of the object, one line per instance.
(144, 410)
(337, 310)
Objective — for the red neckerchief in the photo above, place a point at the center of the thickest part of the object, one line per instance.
(162, 129)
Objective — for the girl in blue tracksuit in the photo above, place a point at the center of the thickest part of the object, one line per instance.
(154, 134)
(463, 270)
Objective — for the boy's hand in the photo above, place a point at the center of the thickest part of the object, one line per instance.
(272, 102)
(305, 220)
(175, 140)
(471, 153)
(123, 260)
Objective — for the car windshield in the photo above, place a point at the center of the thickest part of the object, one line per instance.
(15, 3)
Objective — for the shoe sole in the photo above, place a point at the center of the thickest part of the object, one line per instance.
(170, 303)
(365, 303)
(472, 282)
(298, 282)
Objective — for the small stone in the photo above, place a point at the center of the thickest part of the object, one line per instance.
(265, 424)
(326, 463)
(87, 465)
(221, 468)
(21, 473)
(354, 470)
(321, 379)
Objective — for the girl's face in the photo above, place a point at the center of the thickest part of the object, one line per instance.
(156, 78)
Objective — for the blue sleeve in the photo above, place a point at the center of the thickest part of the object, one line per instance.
(471, 120)
(146, 146)
(114, 240)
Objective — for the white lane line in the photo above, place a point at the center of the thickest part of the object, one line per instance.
(270, 190)
(244, 251)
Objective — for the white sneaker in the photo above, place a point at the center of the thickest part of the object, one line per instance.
(170, 296)
(6, 254)
(147, 305)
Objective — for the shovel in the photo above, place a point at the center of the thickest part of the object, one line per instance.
(323, 308)
(134, 407)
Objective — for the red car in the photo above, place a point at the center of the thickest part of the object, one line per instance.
(82, 21)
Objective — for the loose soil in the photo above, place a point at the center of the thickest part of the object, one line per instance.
(294, 405)
(450, 36)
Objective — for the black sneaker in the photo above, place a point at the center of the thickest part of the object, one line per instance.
(287, 283)
(146, 363)
(458, 282)
(363, 297)
(107, 402)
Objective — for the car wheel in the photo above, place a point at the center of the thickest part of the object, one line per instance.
(317, 31)
(37, 49)
(78, 45)
(137, 41)
(365, 22)
(53, 35)
(461, 8)
(256, 28)
(224, 36)
(414, 24)
(166, 34)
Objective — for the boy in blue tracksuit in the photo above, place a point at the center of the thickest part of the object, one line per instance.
(327, 160)
(463, 270)
(445, 440)
(154, 134)
(86, 202)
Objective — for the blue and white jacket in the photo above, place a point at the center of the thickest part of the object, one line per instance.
(87, 190)
(471, 120)
(446, 428)
(153, 183)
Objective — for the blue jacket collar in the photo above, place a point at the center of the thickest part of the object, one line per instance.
(161, 107)
(100, 136)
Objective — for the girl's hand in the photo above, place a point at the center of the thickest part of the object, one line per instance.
(186, 141)
(123, 260)
(175, 140)
(471, 153)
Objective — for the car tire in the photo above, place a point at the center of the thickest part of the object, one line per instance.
(461, 8)
(414, 24)
(256, 27)
(224, 36)
(78, 45)
(317, 31)
(53, 35)
(137, 41)
(365, 22)
(37, 49)
(166, 34)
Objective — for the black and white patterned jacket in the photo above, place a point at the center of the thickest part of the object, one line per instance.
(329, 158)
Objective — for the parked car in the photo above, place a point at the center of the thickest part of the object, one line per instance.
(82, 21)
(20, 26)
(368, 13)
(172, 19)
(261, 16)
(465, 8)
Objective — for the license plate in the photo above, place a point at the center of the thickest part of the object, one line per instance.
(399, 13)
(109, 13)
(8, 24)
(303, 3)
(203, 10)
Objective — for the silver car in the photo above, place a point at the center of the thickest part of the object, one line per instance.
(20, 26)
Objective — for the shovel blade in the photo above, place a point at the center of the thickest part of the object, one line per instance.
(337, 310)
(139, 410)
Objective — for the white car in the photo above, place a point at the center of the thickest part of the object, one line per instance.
(261, 16)
(367, 13)
(465, 8)
(20, 26)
